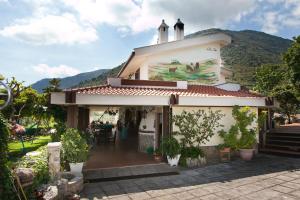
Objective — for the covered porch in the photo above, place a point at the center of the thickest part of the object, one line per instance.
(135, 134)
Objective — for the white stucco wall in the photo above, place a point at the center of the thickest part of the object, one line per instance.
(97, 111)
(227, 121)
(58, 98)
(148, 121)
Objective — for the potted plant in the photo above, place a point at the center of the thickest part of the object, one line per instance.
(247, 136)
(230, 143)
(246, 144)
(75, 149)
(171, 148)
(157, 155)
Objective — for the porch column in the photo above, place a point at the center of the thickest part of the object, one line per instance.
(72, 116)
(166, 121)
(157, 131)
(83, 118)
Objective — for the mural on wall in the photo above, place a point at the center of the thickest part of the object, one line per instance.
(203, 72)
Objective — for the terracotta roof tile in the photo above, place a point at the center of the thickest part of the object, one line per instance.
(192, 90)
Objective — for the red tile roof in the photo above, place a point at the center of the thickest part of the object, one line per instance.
(192, 90)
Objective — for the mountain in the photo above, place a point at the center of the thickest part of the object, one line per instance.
(101, 79)
(70, 81)
(247, 51)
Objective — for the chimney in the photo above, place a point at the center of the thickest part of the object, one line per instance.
(163, 32)
(179, 30)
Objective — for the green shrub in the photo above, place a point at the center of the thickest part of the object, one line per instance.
(60, 128)
(6, 186)
(74, 146)
(171, 147)
(193, 152)
(190, 152)
(39, 164)
(230, 138)
(240, 136)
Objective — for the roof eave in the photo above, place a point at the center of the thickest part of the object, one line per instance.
(127, 63)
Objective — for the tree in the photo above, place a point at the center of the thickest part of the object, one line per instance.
(54, 86)
(292, 59)
(286, 96)
(269, 76)
(276, 81)
(58, 112)
(23, 100)
(197, 127)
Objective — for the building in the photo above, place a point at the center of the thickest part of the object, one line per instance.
(161, 80)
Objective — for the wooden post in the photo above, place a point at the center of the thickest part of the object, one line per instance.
(72, 116)
(83, 118)
(166, 121)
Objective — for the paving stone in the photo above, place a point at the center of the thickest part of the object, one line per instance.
(213, 188)
(139, 196)
(282, 189)
(165, 197)
(156, 193)
(199, 192)
(120, 198)
(284, 177)
(291, 185)
(211, 197)
(183, 195)
(285, 197)
(296, 181)
(264, 194)
(265, 177)
(296, 194)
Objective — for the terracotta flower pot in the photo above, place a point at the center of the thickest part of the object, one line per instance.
(246, 154)
(225, 150)
(157, 157)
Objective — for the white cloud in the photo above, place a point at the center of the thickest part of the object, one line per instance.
(77, 21)
(140, 16)
(279, 15)
(56, 71)
(270, 25)
(50, 29)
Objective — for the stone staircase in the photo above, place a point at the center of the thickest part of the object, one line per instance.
(284, 140)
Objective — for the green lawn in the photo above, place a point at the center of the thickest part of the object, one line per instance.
(15, 148)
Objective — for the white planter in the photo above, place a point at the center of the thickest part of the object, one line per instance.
(173, 161)
(246, 154)
(76, 168)
(196, 162)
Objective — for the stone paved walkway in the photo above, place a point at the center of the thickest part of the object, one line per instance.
(266, 177)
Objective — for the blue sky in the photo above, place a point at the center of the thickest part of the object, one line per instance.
(58, 38)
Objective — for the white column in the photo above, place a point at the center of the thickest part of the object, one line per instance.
(54, 158)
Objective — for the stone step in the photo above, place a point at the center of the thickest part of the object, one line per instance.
(283, 137)
(286, 142)
(128, 172)
(283, 147)
(280, 152)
